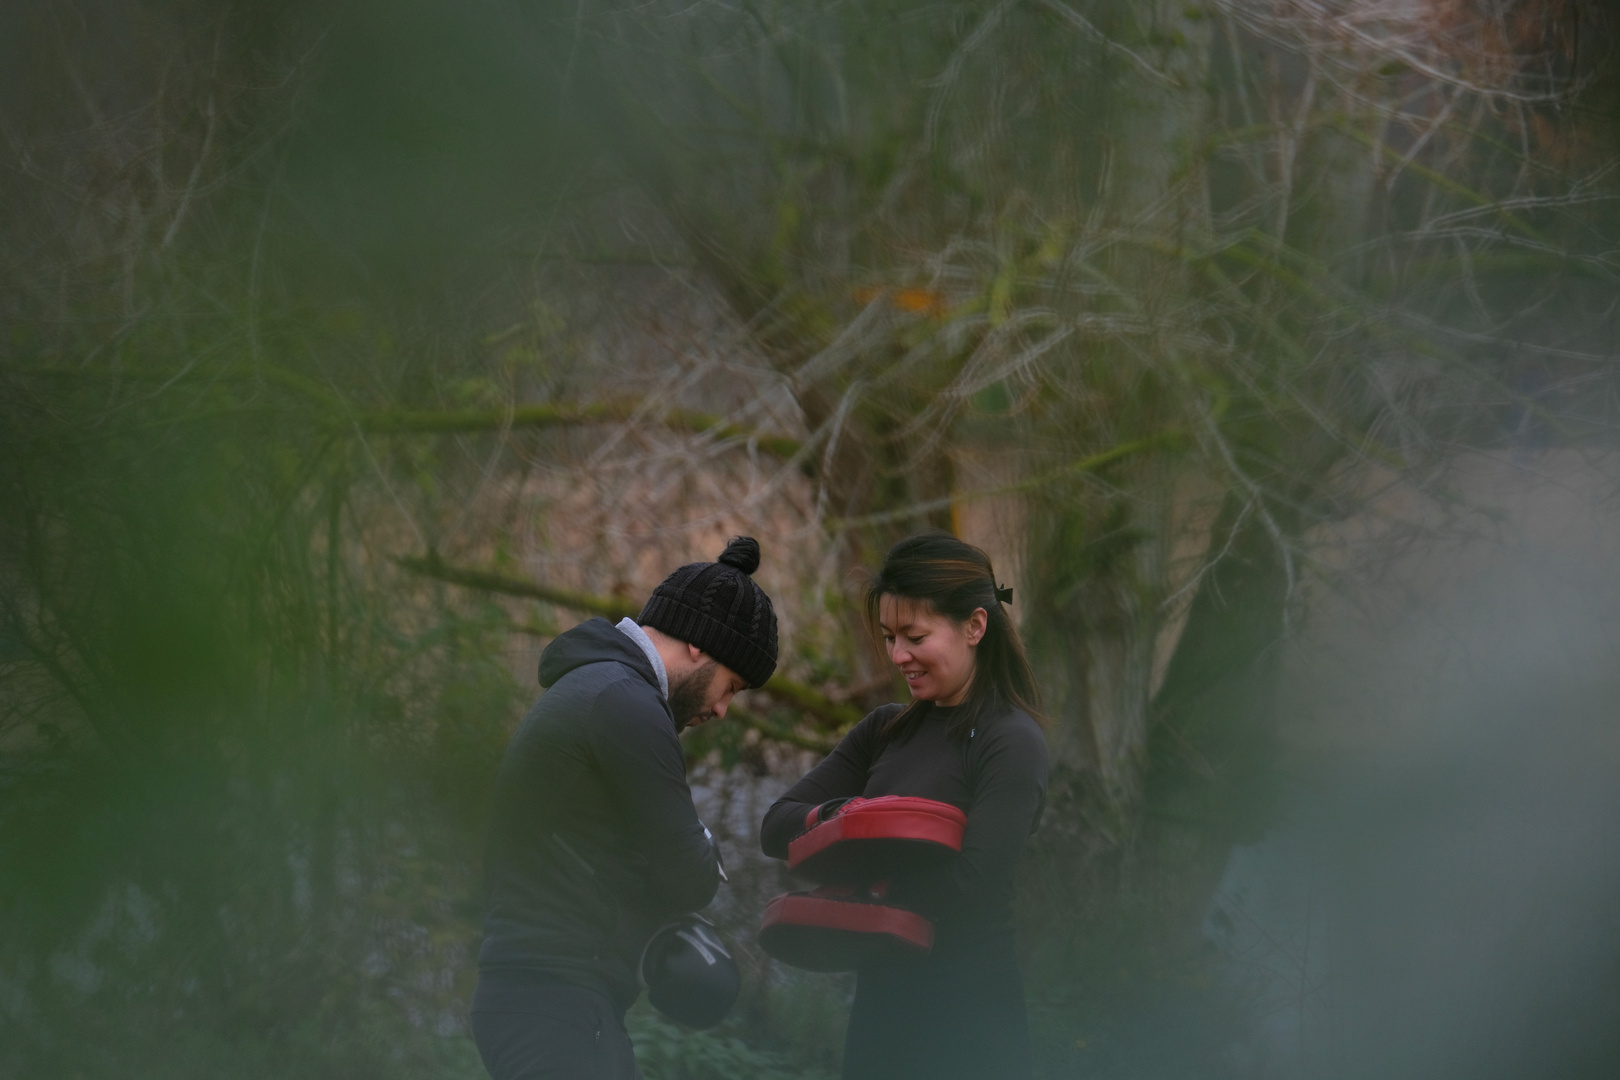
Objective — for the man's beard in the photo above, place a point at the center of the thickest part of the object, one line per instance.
(689, 695)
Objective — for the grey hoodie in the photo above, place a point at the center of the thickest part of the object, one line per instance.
(593, 839)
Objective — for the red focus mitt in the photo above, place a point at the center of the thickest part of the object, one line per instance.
(867, 839)
(838, 928)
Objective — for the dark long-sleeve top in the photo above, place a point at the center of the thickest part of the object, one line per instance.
(997, 776)
(593, 840)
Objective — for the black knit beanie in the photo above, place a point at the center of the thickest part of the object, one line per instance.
(717, 607)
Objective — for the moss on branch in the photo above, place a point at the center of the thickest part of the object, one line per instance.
(341, 417)
(475, 421)
(432, 566)
(833, 716)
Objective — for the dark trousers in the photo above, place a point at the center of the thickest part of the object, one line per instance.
(551, 1032)
(936, 1021)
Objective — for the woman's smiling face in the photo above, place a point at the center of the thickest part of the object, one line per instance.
(933, 652)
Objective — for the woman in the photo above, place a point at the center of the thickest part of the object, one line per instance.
(968, 738)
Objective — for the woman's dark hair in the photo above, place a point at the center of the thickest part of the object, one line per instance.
(954, 578)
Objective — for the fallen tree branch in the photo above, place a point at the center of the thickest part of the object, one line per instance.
(779, 734)
(474, 421)
(835, 715)
(341, 418)
(840, 715)
(430, 565)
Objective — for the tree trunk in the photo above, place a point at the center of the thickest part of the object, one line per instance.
(1211, 780)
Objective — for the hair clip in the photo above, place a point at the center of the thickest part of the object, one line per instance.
(1004, 594)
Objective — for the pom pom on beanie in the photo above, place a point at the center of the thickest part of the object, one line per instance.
(743, 553)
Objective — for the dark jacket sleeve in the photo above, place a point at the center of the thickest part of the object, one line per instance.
(645, 771)
(841, 774)
(1009, 788)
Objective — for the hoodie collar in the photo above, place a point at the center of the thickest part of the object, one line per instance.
(592, 642)
(632, 630)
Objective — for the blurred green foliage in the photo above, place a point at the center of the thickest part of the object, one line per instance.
(665, 1051)
(376, 1043)
(244, 756)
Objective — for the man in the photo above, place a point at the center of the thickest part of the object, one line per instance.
(594, 842)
